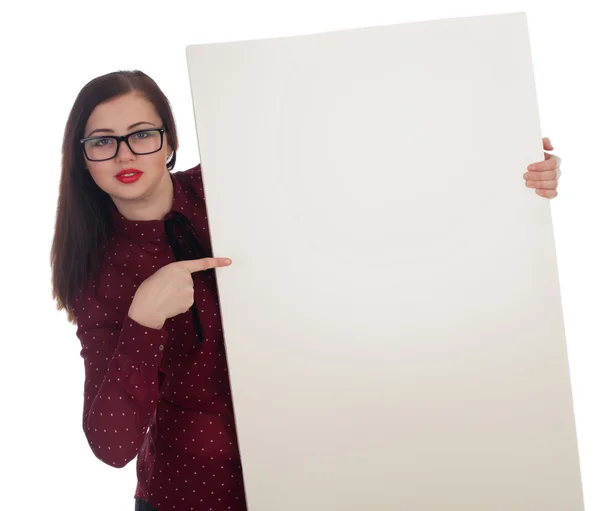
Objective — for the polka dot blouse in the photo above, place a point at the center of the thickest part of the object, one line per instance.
(160, 395)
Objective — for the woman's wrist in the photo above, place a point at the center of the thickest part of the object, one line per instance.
(145, 318)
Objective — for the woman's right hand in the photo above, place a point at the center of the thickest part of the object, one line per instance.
(169, 291)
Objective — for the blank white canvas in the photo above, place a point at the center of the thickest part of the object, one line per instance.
(392, 316)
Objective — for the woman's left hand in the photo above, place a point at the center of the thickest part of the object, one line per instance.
(544, 175)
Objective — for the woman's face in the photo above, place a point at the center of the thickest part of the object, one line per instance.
(121, 116)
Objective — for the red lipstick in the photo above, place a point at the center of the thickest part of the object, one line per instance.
(134, 175)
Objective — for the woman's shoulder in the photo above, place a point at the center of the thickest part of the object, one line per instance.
(191, 179)
(194, 173)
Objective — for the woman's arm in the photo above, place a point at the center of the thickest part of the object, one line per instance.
(121, 358)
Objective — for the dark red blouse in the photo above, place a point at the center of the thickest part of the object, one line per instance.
(160, 395)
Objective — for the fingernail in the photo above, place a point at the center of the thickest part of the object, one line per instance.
(530, 167)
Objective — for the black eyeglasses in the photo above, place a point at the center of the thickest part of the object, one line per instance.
(104, 147)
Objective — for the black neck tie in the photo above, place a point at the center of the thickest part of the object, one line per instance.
(185, 245)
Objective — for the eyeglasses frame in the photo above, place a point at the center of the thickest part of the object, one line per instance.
(123, 138)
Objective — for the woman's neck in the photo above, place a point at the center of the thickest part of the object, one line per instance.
(153, 206)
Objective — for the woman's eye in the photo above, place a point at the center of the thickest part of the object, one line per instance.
(142, 134)
(101, 142)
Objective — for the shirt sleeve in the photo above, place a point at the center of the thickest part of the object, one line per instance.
(121, 389)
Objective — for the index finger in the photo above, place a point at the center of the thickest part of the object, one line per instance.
(206, 263)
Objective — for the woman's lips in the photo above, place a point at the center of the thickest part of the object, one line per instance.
(128, 171)
(126, 179)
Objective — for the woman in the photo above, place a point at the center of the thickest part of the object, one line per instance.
(131, 256)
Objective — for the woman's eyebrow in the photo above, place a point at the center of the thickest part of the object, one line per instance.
(129, 128)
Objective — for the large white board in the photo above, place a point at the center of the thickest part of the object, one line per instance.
(392, 317)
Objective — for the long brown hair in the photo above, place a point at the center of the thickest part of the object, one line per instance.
(83, 219)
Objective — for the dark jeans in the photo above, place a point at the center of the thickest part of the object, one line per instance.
(142, 505)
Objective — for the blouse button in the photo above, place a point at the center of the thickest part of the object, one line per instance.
(161, 347)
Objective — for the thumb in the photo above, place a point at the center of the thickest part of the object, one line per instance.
(206, 263)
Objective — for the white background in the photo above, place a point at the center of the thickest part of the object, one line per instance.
(51, 50)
